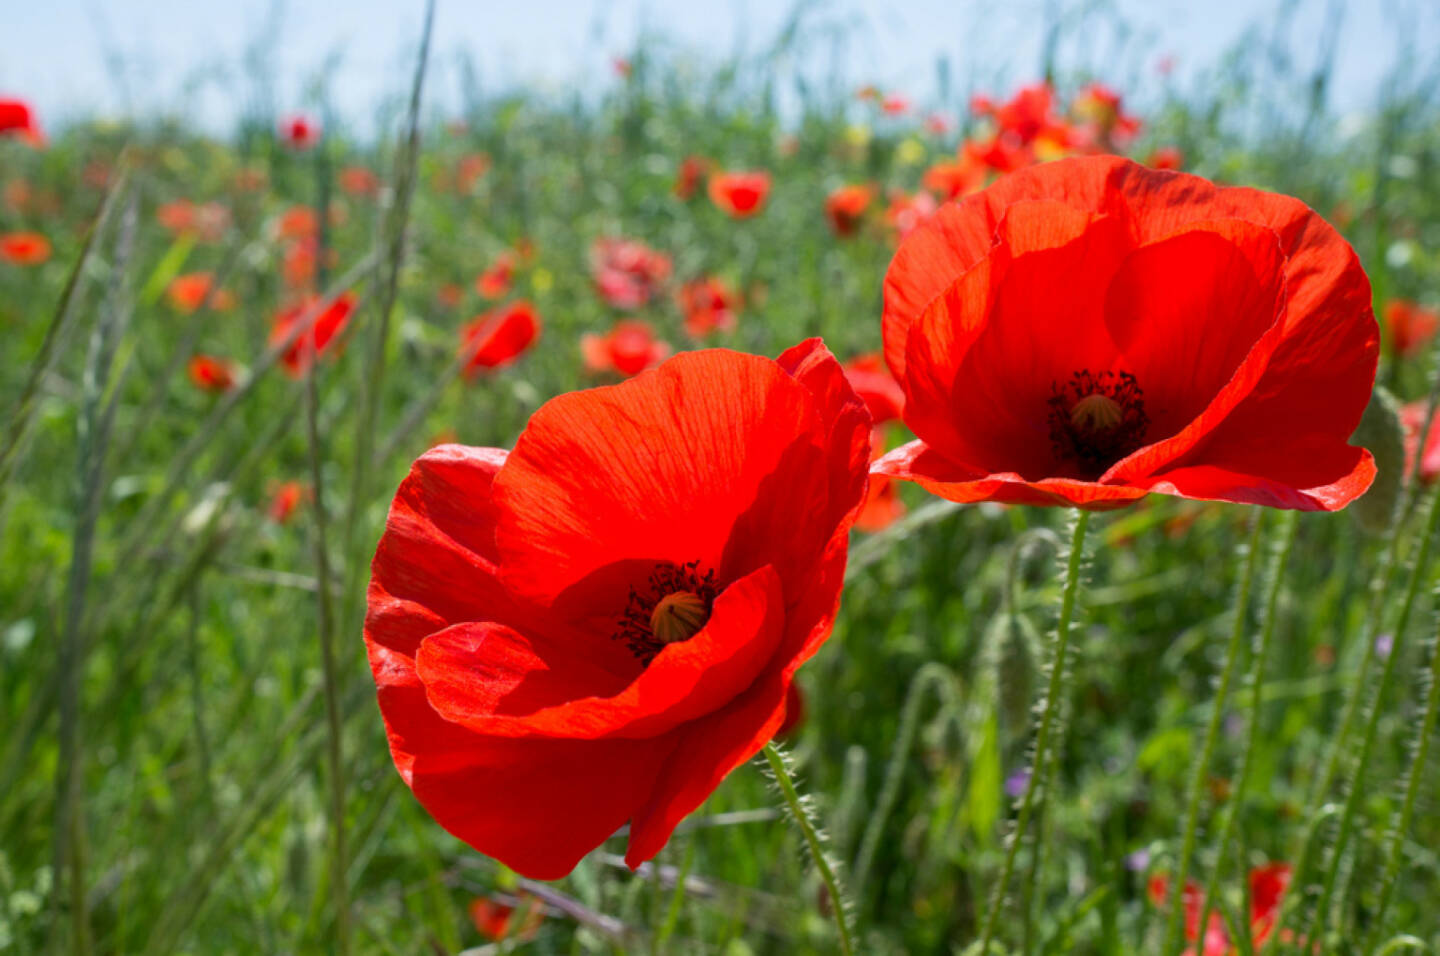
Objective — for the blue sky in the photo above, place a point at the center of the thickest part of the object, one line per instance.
(54, 52)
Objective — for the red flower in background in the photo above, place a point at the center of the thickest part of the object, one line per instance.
(1427, 453)
(299, 131)
(627, 349)
(845, 208)
(499, 337)
(740, 195)
(297, 222)
(206, 221)
(687, 177)
(359, 181)
(1166, 157)
(494, 282)
(709, 306)
(211, 374)
(193, 290)
(883, 506)
(1089, 331)
(1267, 889)
(627, 272)
(895, 105)
(1103, 109)
(1409, 326)
(600, 625)
(320, 338)
(469, 170)
(285, 498)
(492, 918)
(24, 248)
(937, 124)
(955, 178)
(906, 212)
(17, 119)
(877, 388)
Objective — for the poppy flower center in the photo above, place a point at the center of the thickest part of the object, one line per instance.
(673, 605)
(1096, 420)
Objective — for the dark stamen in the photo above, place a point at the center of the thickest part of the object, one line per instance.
(636, 627)
(1096, 420)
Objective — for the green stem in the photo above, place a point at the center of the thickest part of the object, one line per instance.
(1174, 922)
(1284, 540)
(812, 839)
(1420, 753)
(333, 724)
(1353, 786)
(1040, 764)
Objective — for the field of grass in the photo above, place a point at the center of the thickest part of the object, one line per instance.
(181, 665)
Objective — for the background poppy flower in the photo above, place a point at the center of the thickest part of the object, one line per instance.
(1427, 452)
(492, 917)
(24, 248)
(469, 170)
(600, 625)
(906, 212)
(687, 177)
(1267, 890)
(709, 306)
(1165, 157)
(17, 119)
(319, 338)
(285, 498)
(1409, 326)
(499, 337)
(954, 178)
(628, 273)
(876, 387)
(299, 131)
(740, 194)
(495, 280)
(1089, 331)
(882, 499)
(195, 289)
(211, 374)
(628, 349)
(359, 181)
(846, 206)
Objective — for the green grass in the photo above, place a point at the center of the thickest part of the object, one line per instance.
(162, 683)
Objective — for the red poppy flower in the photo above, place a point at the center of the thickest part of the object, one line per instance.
(469, 171)
(492, 918)
(953, 179)
(1103, 108)
(627, 272)
(1267, 889)
(17, 119)
(319, 339)
(1412, 420)
(359, 181)
(876, 387)
(285, 498)
(845, 208)
(1089, 331)
(740, 195)
(494, 282)
(1409, 326)
(937, 124)
(195, 289)
(623, 67)
(297, 222)
(709, 305)
(206, 221)
(600, 625)
(499, 337)
(895, 105)
(249, 179)
(212, 374)
(628, 349)
(906, 212)
(794, 711)
(449, 295)
(1166, 157)
(24, 248)
(687, 178)
(299, 131)
(882, 499)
